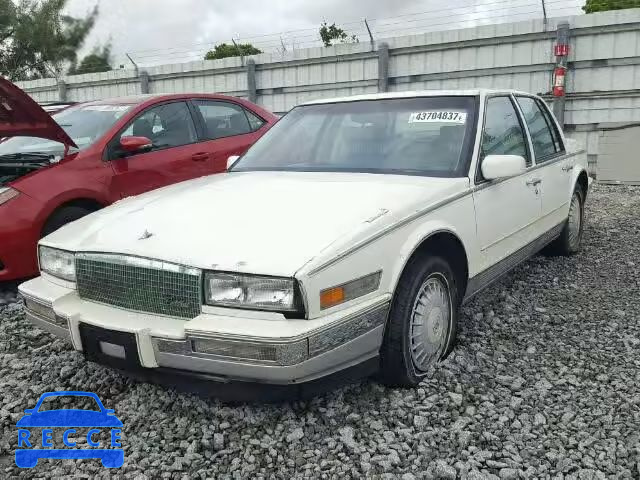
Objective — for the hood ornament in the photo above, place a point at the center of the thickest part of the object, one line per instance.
(145, 235)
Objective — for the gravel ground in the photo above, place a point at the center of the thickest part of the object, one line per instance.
(544, 383)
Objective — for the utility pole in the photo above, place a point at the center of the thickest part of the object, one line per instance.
(135, 65)
(561, 51)
(239, 51)
(373, 43)
(544, 15)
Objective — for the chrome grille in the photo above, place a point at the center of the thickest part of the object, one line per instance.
(139, 284)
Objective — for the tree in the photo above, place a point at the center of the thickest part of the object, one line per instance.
(225, 50)
(593, 6)
(99, 60)
(331, 34)
(37, 40)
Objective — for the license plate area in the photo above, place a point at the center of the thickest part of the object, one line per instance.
(110, 347)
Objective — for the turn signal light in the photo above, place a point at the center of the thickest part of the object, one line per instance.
(331, 296)
(7, 194)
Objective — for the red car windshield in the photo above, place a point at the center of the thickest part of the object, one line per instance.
(84, 124)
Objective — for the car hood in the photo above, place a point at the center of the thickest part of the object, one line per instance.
(69, 418)
(254, 222)
(21, 116)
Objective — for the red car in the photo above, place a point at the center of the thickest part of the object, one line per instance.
(54, 172)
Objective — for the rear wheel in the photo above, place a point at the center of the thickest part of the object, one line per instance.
(569, 240)
(62, 217)
(422, 322)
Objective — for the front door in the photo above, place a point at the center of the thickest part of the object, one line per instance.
(175, 155)
(554, 169)
(507, 211)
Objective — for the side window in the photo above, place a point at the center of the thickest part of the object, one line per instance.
(544, 144)
(167, 125)
(255, 122)
(557, 138)
(222, 119)
(503, 133)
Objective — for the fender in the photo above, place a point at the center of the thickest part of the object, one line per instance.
(578, 170)
(417, 237)
(68, 196)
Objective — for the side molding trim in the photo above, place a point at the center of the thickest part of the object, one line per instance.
(492, 274)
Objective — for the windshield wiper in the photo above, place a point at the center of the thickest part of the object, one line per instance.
(22, 165)
(27, 156)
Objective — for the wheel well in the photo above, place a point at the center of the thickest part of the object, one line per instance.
(86, 203)
(583, 183)
(449, 247)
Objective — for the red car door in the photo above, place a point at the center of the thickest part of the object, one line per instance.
(229, 129)
(174, 154)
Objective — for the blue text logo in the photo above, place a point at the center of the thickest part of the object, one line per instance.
(32, 447)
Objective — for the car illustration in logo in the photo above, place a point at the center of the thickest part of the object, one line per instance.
(31, 449)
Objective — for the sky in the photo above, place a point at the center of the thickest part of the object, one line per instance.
(173, 31)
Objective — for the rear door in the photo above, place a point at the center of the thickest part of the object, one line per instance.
(227, 129)
(549, 154)
(173, 157)
(507, 211)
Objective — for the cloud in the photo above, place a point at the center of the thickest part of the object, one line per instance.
(170, 31)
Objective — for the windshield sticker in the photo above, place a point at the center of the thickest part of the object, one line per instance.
(438, 116)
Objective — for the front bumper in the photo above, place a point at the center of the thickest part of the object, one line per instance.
(19, 234)
(220, 346)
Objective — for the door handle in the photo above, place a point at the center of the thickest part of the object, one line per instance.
(533, 182)
(200, 157)
(567, 168)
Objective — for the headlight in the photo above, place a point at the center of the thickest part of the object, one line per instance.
(250, 291)
(58, 263)
(7, 194)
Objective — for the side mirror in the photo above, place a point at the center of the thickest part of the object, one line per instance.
(135, 144)
(232, 160)
(503, 166)
(29, 411)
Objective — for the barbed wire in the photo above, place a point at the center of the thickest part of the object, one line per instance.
(458, 14)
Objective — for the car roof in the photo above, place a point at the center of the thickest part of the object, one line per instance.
(415, 93)
(70, 393)
(142, 98)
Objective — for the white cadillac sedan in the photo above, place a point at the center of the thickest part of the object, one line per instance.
(345, 240)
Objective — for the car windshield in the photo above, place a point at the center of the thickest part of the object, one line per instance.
(83, 123)
(428, 136)
(69, 402)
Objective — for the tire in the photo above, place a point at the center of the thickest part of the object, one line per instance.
(568, 243)
(62, 217)
(427, 279)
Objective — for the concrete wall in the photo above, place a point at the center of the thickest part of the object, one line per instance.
(603, 82)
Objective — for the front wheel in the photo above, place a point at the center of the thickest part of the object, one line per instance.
(422, 323)
(569, 240)
(63, 216)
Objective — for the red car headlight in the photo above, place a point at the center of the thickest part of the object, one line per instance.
(7, 194)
